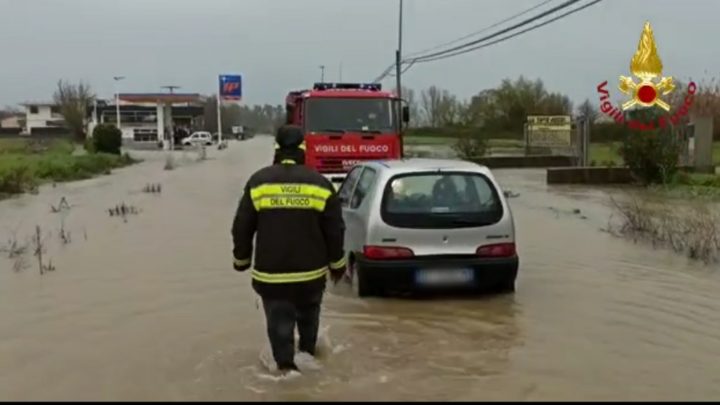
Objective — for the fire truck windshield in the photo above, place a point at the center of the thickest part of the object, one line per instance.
(376, 115)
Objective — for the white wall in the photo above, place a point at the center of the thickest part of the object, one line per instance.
(39, 119)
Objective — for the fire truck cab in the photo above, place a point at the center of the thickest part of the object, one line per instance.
(347, 123)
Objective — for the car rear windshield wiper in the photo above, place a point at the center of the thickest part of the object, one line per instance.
(337, 131)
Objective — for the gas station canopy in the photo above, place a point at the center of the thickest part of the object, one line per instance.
(161, 98)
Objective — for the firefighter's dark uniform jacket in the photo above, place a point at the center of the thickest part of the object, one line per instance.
(296, 216)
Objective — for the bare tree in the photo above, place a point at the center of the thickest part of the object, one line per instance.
(439, 106)
(588, 109)
(469, 114)
(430, 102)
(412, 103)
(449, 109)
(73, 101)
(9, 111)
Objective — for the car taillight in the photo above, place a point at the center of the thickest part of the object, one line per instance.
(497, 250)
(387, 252)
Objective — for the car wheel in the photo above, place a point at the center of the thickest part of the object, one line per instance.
(364, 288)
(507, 285)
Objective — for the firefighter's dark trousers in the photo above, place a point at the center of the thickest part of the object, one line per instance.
(282, 315)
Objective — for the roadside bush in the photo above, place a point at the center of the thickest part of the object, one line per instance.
(107, 139)
(470, 146)
(66, 168)
(608, 132)
(15, 179)
(89, 145)
(693, 231)
(696, 180)
(23, 173)
(651, 155)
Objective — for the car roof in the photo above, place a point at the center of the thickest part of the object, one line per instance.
(397, 166)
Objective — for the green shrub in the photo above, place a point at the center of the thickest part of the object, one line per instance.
(651, 155)
(16, 178)
(89, 145)
(470, 146)
(107, 139)
(22, 173)
(696, 179)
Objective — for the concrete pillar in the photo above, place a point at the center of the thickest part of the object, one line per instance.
(160, 116)
(168, 124)
(702, 143)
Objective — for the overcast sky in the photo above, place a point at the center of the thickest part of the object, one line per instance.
(278, 45)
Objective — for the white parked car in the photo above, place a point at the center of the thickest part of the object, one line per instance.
(198, 138)
(427, 224)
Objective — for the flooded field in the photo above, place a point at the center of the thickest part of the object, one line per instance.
(148, 307)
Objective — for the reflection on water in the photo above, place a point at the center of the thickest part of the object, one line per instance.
(151, 309)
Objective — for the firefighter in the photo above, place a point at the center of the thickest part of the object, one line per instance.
(295, 216)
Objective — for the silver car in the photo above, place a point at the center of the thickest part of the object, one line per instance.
(427, 224)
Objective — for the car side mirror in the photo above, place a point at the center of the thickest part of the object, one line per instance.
(406, 114)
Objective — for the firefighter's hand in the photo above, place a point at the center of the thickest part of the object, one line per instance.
(337, 275)
(241, 265)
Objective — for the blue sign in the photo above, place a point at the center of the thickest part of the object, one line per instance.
(231, 87)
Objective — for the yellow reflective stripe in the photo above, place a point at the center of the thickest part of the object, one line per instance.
(290, 188)
(291, 202)
(288, 162)
(283, 278)
(243, 262)
(338, 264)
(290, 195)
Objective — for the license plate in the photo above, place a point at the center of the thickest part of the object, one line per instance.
(444, 277)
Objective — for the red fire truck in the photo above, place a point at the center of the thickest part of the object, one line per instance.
(345, 123)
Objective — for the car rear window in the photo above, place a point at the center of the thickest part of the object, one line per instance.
(440, 201)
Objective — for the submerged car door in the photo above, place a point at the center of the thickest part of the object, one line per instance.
(345, 192)
(355, 206)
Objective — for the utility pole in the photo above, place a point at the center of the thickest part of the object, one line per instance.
(322, 73)
(117, 101)
(171, 89)
(398, 64)
(398, 54)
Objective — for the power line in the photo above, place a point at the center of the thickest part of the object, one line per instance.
(498, 33)
(505, 38)
(384, 74)
(403, 71)
(388, 72)
(512, 17)
(389, 69)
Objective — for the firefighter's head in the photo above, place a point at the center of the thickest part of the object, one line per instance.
(289, 145)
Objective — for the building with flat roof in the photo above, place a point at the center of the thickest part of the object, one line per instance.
(42, 116)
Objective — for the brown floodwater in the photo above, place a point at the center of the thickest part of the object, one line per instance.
(150, 309)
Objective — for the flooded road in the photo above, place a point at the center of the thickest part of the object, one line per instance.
(151, 308)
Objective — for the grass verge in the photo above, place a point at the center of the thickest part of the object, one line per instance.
(24, 165)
